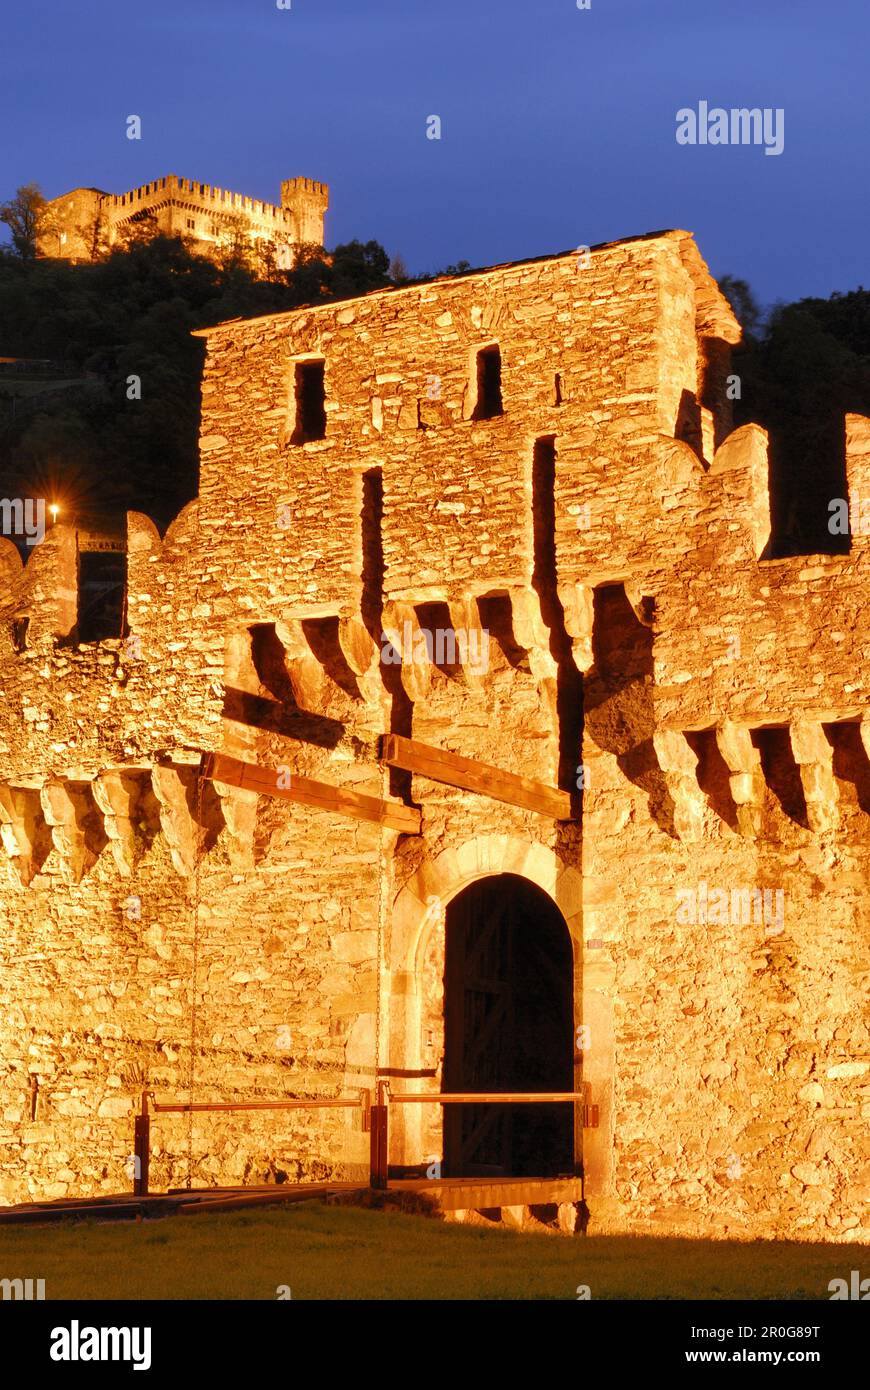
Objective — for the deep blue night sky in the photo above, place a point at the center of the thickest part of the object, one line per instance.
(558, 124)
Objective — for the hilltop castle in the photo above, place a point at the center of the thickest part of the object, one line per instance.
(81, 222)
(524, 772)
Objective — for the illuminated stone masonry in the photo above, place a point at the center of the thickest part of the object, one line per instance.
(504, 516)
(86, 220)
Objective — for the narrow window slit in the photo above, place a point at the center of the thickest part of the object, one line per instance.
(489, 401)
(310, 390)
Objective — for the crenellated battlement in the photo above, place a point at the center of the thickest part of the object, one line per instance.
(201, 195)
(202, 212)
(590, 457)
(303, 185)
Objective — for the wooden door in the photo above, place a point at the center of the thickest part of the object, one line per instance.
(479, 1032)
(508, 1027)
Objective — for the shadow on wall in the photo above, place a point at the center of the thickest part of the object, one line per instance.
(569, 681)
(618, 696)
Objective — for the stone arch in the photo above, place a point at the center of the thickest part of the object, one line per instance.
(447, 873)
(418, 910)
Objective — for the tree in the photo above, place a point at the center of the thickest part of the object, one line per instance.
(234, 251)
(398, 271)
(94, 235)
(743, 302)
(26, 217)
(358, 267)
(131, 313)
(802, 367)
(265, 258)
(140, 230)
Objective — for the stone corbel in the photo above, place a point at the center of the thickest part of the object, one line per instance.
(68, 808)
(814, 757)
(532, 633)
(363, 657)
(23, 830)
(306, 674)
(472, 648)
(117, 795)
(679, 763)
(239, 809)
(748, 786)
(642, 604)
(402, 629)
(175, 790)
(577, 605)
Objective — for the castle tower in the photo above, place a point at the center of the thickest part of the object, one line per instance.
(307, 200)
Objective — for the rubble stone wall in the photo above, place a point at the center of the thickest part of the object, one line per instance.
(600, 544)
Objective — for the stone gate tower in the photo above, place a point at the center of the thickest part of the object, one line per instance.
(563, 782)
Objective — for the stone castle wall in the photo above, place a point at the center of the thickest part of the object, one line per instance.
(85, 218)
(607, 531)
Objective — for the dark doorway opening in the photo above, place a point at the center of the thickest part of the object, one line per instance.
(102, 594)
(509, 1026)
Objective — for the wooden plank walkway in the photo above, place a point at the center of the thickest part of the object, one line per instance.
(125, 1207)
(447, 1194)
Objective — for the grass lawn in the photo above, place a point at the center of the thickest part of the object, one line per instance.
(335, 1252)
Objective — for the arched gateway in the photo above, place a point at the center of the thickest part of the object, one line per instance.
(508, 1026)
(484, 987)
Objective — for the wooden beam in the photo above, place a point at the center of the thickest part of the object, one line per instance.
(342, 801)
(463, 1194)
(441, 766)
